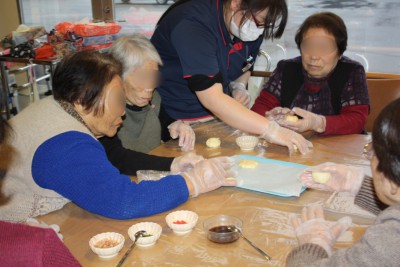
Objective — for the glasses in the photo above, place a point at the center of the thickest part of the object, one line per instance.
(312, 47)
(368, 151)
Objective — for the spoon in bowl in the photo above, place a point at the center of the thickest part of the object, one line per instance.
(233, 228)
(138, 235)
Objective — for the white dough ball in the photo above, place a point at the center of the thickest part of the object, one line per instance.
(213, 142)
(321, 177)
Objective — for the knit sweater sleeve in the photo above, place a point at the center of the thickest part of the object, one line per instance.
(265, 102)
(270, 95)
(378, 247)
(367, 197)
(129, 161)
(351, 120)
(75, 165)
(24, 245)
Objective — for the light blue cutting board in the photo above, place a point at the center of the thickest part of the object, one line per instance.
(271, 176)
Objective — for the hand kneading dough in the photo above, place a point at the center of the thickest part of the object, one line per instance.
(213, 142)
(248, 164)
(321, 177)
(291, 118)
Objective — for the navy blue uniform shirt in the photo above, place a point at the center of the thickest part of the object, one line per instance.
(192, 39)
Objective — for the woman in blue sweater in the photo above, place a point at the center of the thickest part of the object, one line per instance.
(57, 157)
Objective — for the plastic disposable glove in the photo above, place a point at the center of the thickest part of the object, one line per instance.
(185, 162)
(343, 178)
(273, 133)
(240, 93)
(313, 228)
(277, 114)
(309, 121)
(187, 137)
(210, 174)
(36, 223)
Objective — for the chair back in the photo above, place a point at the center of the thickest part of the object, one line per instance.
(381, 93)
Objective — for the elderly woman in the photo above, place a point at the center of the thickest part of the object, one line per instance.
(25, 245)
(142, 130)
(379, 194)
(58, 158)
(327, 90)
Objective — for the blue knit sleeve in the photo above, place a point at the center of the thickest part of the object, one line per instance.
(76, 166)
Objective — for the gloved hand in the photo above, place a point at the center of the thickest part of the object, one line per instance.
(313, 228)
(185, 162)
(210, 174)
(277, 114)
(36, 223)
(187, 137)
(343, 178)
(240, 93)
(273, 133)
(310, 121)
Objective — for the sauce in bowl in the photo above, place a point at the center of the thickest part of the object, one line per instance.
(222, 234)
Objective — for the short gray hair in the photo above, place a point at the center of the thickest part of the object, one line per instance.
(133, 51)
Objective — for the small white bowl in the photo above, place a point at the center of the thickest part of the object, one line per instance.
(107, 252)
(187, 216)
(247, 142)
(153, 229)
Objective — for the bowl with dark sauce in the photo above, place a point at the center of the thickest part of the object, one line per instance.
(218, 228)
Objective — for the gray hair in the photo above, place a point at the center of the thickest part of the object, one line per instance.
(133, 51)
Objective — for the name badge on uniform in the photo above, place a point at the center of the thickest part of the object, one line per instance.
(249, 63)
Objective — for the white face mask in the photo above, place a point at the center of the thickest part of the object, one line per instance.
(248, 32)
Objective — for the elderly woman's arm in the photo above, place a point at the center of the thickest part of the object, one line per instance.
(378, 247)
(75, 165)
(128, 161)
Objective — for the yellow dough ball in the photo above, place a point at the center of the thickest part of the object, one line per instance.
(321, 177)
(291, 118)
(213, 142)
(248, 164)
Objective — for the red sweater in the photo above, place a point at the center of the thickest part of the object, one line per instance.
(351, 119)
(24, 245)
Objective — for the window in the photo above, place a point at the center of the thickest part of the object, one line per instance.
(372, 25)
(139, 16)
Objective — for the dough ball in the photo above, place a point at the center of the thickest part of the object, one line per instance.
(291, 118)
(295, 148)
(248, 164)
(213, 142)
(321, 177)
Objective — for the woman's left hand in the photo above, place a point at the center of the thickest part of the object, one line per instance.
(313, 228)
(185, 162)
(240, 93)
(187, 137)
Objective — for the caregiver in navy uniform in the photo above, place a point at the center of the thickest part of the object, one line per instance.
(208, 48)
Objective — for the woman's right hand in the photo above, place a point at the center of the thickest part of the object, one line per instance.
(276, 134)
(210, 174)
(343, 178)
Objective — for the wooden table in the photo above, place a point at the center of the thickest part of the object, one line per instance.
(265, 217)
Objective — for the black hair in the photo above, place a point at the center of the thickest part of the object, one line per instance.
(386, 141)
(275, 21)
(3, 127)
(81, 78)
(328, 21)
